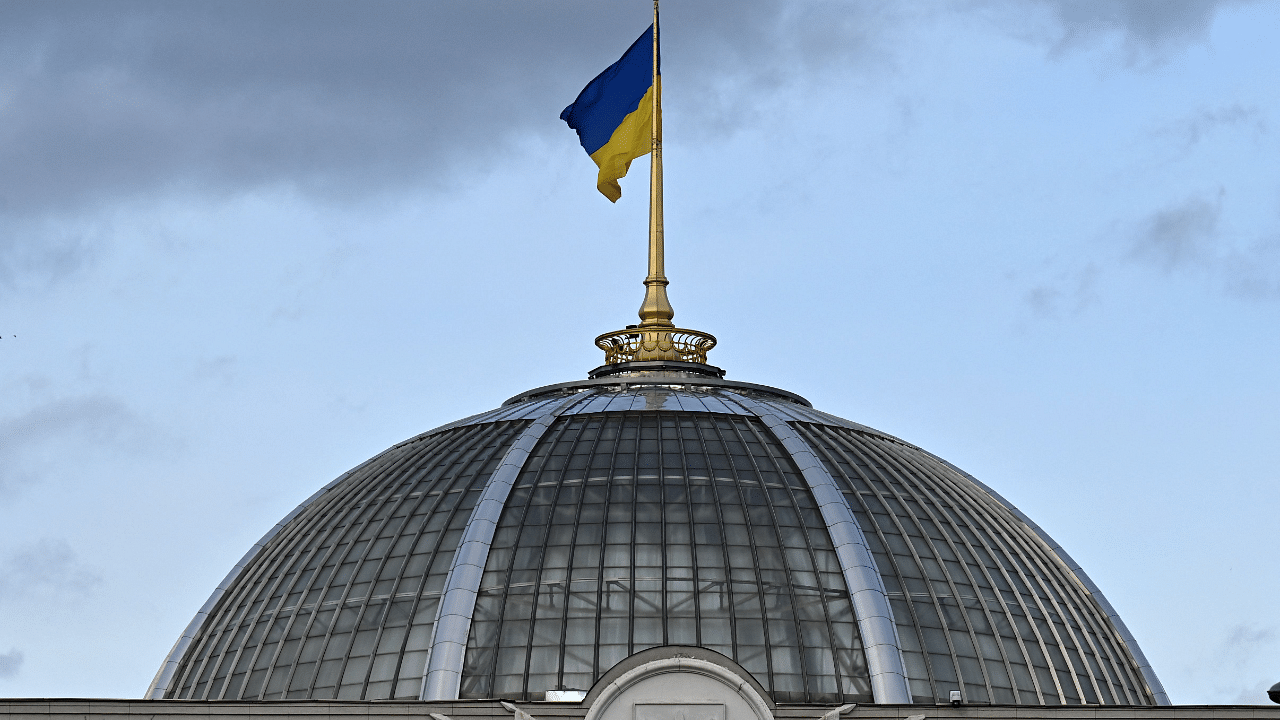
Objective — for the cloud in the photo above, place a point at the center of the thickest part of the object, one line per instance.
(1151, 30)
(344, 101)
(57, 429)
(1070, 292)
(45, 567)
(141, 99)
(10, 663)
(1178, 236)
(1243, 652)
(38, 253)
(1186, 237)
(1255, 694)
(1243, 639)
(337, 99)
(1253, 273)
(1191, 130)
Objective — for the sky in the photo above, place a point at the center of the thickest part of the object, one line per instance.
(245, 246)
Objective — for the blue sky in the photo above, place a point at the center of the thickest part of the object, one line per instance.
(245, 246)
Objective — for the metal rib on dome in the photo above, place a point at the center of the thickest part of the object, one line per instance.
(342, 599)
(350, 585)
(866, 589)
(980, 605)
(449, 635)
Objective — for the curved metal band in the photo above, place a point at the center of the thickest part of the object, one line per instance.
(1154, 686)
(160, 684)
(443, 675)
(866, 589)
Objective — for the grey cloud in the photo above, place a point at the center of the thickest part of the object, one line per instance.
(1178, 236)
(1192, 129)
(105, 103)
(1151, 29)
(1238, 655)
(1069, 292)
(1253, 695)
(1246, 637)
(69, 425)
(220, 369)
(1254, 272)
(341, 99)
(36, 253)
(10, 663)
(43, 568)
(1186, 237)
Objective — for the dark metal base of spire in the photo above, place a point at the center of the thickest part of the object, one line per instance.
(663, 366)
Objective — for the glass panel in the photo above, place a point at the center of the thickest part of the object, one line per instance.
(948, 547)
(347, 550)
(675, 558)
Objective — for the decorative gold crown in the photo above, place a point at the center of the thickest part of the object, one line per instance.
(655, 343)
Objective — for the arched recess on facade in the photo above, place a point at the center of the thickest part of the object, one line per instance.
(678, 683)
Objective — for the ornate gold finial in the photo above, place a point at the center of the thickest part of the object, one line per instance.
(656, 337)
(638, 343)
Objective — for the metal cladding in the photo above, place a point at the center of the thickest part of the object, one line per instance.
(534, 547)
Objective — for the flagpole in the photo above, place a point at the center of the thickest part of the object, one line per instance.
(656, 339)
(656, 309)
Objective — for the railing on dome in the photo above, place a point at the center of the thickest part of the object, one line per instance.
(655, 343)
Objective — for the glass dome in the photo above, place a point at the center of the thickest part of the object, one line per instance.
(534, 547)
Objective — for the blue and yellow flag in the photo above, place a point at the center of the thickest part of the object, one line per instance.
(614, 112)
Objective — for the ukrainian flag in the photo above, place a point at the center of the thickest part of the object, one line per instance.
(613, 114)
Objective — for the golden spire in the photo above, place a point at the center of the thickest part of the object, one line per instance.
(656, 337)
(656, 310)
